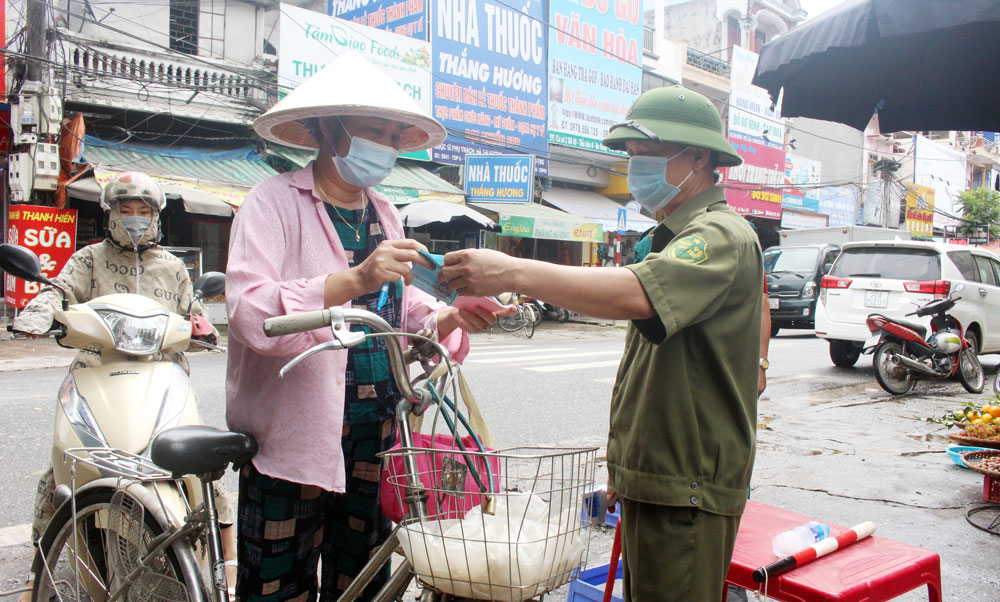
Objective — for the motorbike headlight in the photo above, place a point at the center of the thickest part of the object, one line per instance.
(135, 335)
(79, 414)
(809, 291)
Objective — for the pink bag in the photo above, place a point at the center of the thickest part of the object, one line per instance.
(443, 470)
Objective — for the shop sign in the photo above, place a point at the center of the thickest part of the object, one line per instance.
(981, 236)
(499, 178)
(552, 229)
(920, 210)
(757, 133)
(490, 87)
(402, 17)
(839, 203)
(595, 68)
(800, 219)
(50, 234)
(309, 40)
(802, 179)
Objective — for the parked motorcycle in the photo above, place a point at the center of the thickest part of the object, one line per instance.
(905, 352)
(554, 312)
(134, 392)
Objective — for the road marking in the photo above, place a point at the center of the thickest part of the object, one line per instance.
(561, 357)
(16, 535)
(515, 354)
(580, 366)
(782, 379)
(605, 381)
(492, 346)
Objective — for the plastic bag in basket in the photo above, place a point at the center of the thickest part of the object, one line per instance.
(521, 551)
(453, 491)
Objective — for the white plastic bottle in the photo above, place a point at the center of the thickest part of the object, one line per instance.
(789, 542)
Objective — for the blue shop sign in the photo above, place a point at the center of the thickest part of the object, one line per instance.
(404, 17)
(499, 178)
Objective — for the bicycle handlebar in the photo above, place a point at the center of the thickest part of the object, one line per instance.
(299, 322)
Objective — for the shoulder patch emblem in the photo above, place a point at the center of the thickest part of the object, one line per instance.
(690, 249)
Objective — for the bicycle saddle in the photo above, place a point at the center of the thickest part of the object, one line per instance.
(201, 450)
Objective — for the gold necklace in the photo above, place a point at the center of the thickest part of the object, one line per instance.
(364, 208)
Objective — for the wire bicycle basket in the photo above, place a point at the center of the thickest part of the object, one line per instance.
(533, 542)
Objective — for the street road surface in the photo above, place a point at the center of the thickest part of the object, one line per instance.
(831, 443)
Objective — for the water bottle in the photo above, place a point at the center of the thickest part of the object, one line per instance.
(789, 542)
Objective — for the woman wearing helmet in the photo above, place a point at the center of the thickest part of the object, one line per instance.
(306, 240)
(128, 260)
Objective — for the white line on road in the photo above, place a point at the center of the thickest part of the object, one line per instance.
(560, 357)
(580, 366)
(16, 535)
(514, 354)
(491, 346)
(781, 379)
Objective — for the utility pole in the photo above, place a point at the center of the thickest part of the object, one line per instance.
(887, 167)
(34, 36)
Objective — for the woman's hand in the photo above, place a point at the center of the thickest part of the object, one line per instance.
(389, 262)
(476, 320)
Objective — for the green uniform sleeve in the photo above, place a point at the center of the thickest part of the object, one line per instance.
(688, 280)
(75, 278)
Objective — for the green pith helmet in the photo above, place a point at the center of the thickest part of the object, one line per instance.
(674, 114)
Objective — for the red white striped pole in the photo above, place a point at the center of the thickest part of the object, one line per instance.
(817, 550)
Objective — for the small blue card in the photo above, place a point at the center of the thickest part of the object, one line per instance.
(427, 280)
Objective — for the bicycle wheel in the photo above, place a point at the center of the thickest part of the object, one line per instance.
(530, 315)
(512, 322)
(112, 534)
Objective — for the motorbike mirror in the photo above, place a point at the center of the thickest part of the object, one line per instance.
(210, 284)
(21, 263)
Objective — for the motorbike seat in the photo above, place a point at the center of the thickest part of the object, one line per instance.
(201, 450)
(918, 328)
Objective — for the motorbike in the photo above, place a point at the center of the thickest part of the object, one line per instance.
(905, 352)
(554, 312)
(134, 391)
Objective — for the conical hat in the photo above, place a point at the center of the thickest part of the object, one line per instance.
(348, 85)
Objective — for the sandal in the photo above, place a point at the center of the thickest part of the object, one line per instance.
(232, 588)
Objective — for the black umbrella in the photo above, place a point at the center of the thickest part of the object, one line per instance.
(921, 64)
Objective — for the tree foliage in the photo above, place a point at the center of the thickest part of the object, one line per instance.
(981, 207)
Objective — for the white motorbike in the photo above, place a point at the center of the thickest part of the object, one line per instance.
(106, 419)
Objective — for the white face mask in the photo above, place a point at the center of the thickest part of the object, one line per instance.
(366, 164)
(136, 225)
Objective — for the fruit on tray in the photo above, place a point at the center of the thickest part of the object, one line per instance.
(987, 463)
(983, 431)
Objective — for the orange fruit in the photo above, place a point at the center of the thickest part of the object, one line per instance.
(995, 411)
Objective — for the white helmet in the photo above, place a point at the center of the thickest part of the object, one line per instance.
(130, 185)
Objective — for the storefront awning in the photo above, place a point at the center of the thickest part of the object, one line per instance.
(530, 220)
(426, 212)
(209, 186)
(406, 183)
(596, 208)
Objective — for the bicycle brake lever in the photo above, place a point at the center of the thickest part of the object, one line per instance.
(329, 345)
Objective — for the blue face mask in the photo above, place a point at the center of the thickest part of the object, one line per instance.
(647, 180)
(367, 163)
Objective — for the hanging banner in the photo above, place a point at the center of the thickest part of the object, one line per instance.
(309, 40)
(840, 204)
(401, 17)
(489, 78)
(552, 229)
(920, 210)
(50, 234)
(595, 68)
(499, 178)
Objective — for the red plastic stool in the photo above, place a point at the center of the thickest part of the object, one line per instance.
(871, 570)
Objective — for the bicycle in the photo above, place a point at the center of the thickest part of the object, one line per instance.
(525, 318)
(133, 533)
(450, 545)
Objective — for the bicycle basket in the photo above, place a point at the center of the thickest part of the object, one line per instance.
(533, 543)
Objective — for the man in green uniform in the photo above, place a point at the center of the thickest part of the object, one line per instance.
(683, 410)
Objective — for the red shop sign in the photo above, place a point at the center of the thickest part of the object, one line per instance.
(50, 234)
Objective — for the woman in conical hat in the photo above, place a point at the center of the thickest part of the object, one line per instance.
(310, 239)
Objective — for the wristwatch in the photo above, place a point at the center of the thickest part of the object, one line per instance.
(764, 364)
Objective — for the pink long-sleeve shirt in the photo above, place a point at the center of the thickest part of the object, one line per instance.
(281, 249)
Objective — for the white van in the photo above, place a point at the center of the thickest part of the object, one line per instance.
(893, 278)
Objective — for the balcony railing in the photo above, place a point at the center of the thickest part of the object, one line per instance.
(708, 62)
(103, 73)
(649, 40)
